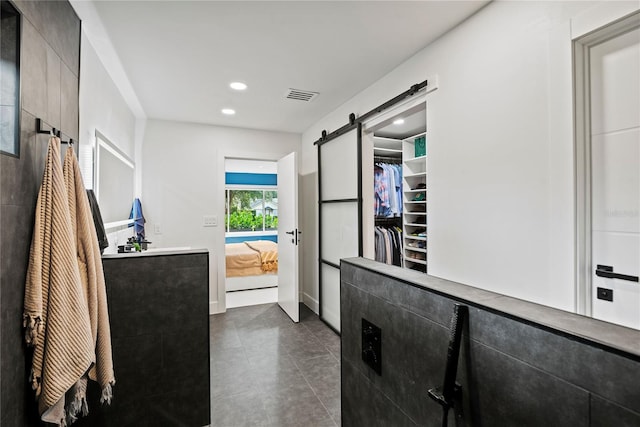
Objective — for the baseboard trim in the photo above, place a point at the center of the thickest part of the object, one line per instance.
(214, 308)
(311, 302)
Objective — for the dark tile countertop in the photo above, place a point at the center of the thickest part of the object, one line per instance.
(156, 252)
(602, 334)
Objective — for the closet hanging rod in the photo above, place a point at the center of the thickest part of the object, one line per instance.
(395, 220)
(386, 138)
(389, 150)
(326, 137)
(51, 130)
(385, 159)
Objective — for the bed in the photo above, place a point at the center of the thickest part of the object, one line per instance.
(251, 265)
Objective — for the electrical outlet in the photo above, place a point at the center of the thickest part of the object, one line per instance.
(210, 220)
(157, 229)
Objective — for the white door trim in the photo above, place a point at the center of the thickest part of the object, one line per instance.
(582, 153)
(218, 291)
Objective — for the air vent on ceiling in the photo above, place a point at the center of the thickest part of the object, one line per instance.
(301, 95)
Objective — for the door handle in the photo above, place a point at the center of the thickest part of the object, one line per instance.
(607, 272)
(289, 232)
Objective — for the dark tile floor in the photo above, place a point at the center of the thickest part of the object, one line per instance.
(268, 371)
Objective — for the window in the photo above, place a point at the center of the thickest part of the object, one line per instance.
(251, 210)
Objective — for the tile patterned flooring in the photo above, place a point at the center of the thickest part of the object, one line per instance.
(268, 371)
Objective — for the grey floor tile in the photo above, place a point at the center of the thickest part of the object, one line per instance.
(231, 380)
(333, 407)
(306, 350)
(334, 350)
(269, 371)
(326, 335)
(225, 339)
(297, 404)
(228, 358)
(323, 375)
(240, 410)
(277, 374)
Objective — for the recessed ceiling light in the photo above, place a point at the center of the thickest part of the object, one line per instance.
(228, 111)
(398, 122)
(238, 86)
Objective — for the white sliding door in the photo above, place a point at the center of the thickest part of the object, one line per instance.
(340, 213)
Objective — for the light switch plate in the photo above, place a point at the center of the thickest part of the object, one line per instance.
(210, 220)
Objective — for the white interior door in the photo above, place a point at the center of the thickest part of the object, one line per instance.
(614, 68)
(288, 236)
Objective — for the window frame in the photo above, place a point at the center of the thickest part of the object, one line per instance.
(264, 231)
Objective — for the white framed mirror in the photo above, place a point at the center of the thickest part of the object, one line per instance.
(114, 176)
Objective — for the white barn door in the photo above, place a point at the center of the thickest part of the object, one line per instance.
(340, 213)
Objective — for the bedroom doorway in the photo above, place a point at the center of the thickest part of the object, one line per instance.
(251, 232)
(261, 262)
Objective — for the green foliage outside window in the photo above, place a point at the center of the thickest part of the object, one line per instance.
(247, 221)
(244, 210)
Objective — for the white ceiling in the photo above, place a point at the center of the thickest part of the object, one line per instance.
(180, 56)
(413, 124)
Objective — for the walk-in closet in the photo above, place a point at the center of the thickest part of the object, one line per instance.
(362, 210)
(400, 190)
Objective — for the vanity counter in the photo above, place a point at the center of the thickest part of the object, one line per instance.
(159, 314)
(182, 250)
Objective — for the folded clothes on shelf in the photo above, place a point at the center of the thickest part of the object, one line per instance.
(419, 244)
(420, 232)
(417, 255)
(420, 186)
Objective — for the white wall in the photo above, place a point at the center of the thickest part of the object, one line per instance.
(102, 107)
(183, 180)
(500, 143)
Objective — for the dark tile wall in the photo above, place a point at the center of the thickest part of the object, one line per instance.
(512, 372)
(159, 313)
(50, 56)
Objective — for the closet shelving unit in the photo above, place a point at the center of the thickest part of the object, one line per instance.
(387, 147)
(415, 206)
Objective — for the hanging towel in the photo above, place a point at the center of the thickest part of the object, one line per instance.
(92, 279)
(55, 309)
(101, 233)
(138, 218)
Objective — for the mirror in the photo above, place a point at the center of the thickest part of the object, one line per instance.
(10, 80)
(114, 181)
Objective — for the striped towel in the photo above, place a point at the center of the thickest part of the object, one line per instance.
(55, 316)
(92, 278)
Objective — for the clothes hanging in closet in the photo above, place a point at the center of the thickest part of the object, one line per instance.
(387, 182)
(388, 245)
